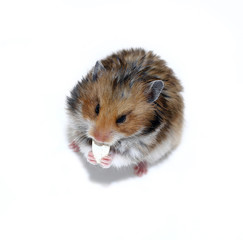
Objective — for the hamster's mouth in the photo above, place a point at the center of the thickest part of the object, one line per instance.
(90, 140)
(101, 143)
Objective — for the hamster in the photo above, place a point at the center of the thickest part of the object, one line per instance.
(132, 102)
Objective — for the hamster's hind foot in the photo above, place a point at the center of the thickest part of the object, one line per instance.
(141, 168)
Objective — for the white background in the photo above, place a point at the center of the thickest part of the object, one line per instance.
(49, 192)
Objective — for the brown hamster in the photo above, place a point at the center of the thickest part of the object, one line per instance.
(132, 102)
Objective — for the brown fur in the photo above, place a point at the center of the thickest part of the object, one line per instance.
(119, 98)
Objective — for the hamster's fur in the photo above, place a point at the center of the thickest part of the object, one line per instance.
(131, 101)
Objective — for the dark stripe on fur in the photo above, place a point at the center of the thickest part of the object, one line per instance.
(155, 123)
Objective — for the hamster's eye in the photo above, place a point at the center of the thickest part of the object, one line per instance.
(97, 109)
(121, 119)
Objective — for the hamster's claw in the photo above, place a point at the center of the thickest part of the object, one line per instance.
(141, 168)
(91, 158)
(105, 162)
(74, 146)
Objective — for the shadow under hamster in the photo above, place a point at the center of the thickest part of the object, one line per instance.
(107, 176)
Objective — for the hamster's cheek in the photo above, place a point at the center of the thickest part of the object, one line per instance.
(116, 137)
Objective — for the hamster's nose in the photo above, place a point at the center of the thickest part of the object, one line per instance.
(102, 136)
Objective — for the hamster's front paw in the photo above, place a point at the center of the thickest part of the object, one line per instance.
(141, 169)
(91, 158)
(105, 162)
(74, 146)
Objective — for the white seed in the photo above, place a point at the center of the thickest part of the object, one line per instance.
(99, 151)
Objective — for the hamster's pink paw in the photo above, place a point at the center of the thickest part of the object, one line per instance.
(105, 162)
(91, 158)
(141, 169)
(74, 146)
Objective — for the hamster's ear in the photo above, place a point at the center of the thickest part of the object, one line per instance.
(153, 90)
(97, 68)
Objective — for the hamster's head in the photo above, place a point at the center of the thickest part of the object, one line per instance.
(107, 109)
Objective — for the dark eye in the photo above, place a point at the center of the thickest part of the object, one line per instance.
(121, 119)
(97, 109)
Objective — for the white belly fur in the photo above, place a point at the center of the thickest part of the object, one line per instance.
(155, 155)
